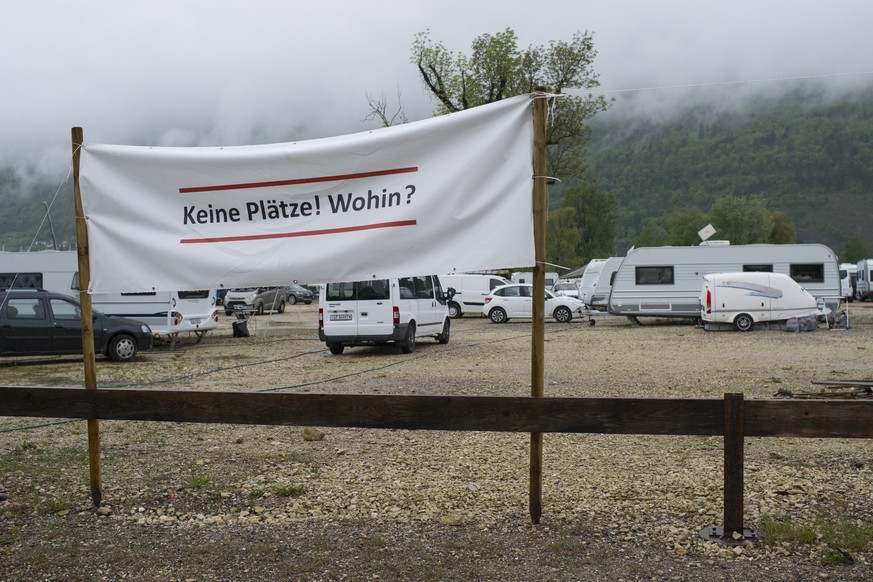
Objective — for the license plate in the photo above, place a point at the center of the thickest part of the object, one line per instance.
(241, 307)
(340, 317)
(195, 321)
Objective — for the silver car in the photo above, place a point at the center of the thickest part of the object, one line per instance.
(255, 300)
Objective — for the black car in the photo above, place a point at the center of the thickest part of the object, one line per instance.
(297, 293)
(34, 322)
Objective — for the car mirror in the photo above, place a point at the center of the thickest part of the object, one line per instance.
(450, 292)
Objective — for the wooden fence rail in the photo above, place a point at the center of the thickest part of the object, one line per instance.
(732, 417)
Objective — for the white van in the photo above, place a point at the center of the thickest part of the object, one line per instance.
(470, 291)
(746, 298)
(381, 311)
(864, 280)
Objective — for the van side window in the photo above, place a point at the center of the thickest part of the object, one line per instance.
(421, 287)
(757, 268)
(654, 275)
(494, 283)
(813, 273)
(438, 290)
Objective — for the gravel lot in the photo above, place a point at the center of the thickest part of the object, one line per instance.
(219, 502)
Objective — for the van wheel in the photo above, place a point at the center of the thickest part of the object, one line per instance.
(498, 315)
(744, 322)
(454, 310)
(408, 345)
(563, 315)
(336, 349)
(443, 338)
(292, 299)
(122, 348)
(281, 307)
(260, 309)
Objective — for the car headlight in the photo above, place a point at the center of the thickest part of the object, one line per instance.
(250, 298)
(146, 329)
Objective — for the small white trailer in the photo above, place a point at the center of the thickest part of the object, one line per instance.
(603, 284)
(744, 299)
(666, 281)
(168, 313)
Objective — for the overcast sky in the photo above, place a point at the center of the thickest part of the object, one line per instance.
(216, 72)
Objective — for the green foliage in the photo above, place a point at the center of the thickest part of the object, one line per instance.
(741, 221)
(582, 227)
(683, 226)
(497, 68)
(855, 250)
(803, 153)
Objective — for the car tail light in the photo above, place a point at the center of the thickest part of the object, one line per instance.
(396, 315)
(320, 318)
(177, 317)
(215, 315)
(708, 301)
(488, 299)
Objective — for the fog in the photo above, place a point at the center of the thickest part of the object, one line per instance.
(165, 72)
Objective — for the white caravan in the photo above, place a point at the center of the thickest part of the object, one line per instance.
(666, 281)
(526, 277)
(381, 311)
(603, 284)
(744, 299)
(168, 313)
(589, 279)
(864, 276)
(470, 291)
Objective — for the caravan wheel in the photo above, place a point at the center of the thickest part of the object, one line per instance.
(744, 322)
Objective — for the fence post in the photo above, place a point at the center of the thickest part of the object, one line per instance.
(734, 436)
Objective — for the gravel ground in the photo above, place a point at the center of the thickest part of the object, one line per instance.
(220, 502)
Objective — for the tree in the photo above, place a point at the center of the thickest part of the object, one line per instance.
(651, 235)
(496, 69)
(855, 250)
(683, 226)
(582, 228)
(741, 220)
(783, 231)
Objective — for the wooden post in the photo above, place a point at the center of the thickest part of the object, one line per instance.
(734, 434)
(539, 299)
(87, 320)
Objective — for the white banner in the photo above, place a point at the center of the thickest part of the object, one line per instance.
(451, 193)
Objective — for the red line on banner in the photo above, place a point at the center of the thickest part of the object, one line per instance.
(298, 181)
(302, 233)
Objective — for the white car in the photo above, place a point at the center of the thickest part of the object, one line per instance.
(567, 289)
(516, 300)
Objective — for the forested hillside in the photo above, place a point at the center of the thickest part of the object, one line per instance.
(805, 152)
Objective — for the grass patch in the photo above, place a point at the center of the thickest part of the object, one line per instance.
(841, 537)
(199, 482)
(291, 491)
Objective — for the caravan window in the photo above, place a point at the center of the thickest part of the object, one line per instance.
(757, 268)
(203, 294)
(813, 273)
(654, 275)
(20, 280)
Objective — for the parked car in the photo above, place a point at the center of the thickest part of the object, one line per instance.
(295, 293)
(255, 300)
(34, 322)
(516, 300)
(566, 288)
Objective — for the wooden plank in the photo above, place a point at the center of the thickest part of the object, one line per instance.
(670, 416)
(414, 412)
(809, 418)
